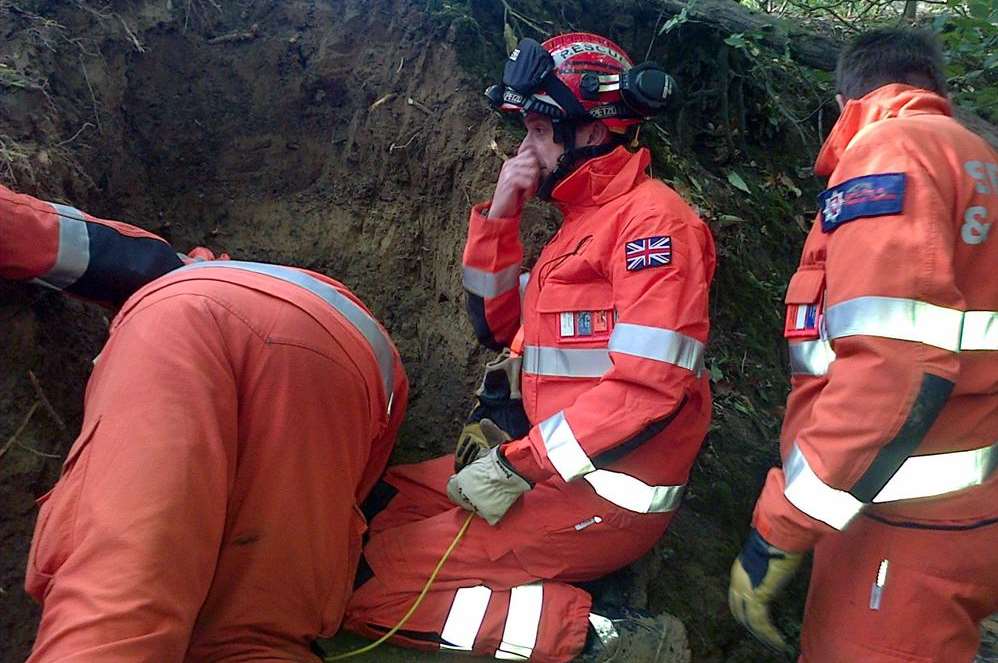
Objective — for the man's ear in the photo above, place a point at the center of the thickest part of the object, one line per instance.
(594, 133)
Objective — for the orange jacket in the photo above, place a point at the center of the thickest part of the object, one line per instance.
(107, 261)
(614, 318)
(892, 319)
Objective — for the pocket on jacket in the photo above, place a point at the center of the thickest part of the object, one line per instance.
(54, 535)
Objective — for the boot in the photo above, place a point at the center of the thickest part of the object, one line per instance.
(626, 635)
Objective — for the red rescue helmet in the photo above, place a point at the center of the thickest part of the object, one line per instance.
(581, 77)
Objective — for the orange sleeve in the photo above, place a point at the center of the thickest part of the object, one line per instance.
(66, 249)
(892, 315)
(492, 263)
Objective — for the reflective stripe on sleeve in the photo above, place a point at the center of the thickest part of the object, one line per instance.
(381, 346)
(563, 449)
(918, 477)
(634, 494)
(73, 256)
(980, 331)
(571, 462)
(811, 357)
(893, 317)
(566, 362)
(663, 345)
(937, 474)
(900, 319)
(490, 284)
(523, 618)
(465, 618)
(814, 497)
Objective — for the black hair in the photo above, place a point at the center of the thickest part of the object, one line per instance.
(890, 55)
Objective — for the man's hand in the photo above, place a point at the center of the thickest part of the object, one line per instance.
(489, 486)
(477, 438)
(758, 576)
(518, 181)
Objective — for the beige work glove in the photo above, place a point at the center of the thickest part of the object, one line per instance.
(488, 486)
(476, 439)
(758, 576)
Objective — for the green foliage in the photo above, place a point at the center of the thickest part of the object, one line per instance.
(969, 33)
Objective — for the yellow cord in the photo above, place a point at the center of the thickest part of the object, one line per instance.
(416, 603)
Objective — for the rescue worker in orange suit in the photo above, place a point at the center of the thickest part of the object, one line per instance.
(235, 418)
(890, 439)
(614, 322)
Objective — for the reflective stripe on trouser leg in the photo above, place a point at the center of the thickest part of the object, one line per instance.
(523, 618)
(465, 618)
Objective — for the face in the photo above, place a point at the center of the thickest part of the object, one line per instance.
(540, 138)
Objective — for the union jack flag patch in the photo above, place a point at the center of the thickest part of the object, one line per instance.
(648, 252)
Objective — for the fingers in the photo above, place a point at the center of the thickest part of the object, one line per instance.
(518, 182)
(754, 616)
(493, 434)
(456, 495)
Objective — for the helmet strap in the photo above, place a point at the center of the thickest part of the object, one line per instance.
(571, 158)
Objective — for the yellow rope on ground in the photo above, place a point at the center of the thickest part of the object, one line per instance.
(416, 603)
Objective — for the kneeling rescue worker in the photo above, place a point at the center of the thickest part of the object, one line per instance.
(890, 439)
(237, 415)
(613, 326)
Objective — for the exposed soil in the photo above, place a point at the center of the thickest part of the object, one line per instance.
(350, 137)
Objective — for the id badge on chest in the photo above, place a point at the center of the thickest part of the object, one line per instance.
(585, 325)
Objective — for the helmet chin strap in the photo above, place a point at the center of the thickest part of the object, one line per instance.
(571, 158)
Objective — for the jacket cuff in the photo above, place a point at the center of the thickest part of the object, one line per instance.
(523, 460)
(480, 214)
(780, 523)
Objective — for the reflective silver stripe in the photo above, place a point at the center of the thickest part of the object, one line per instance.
(465, 618)
(566, 362)
(74, 249)
(563, 450)
(381, 345)
(937, 474)
(490, 284)
(524, 279)
(893, 317)
(522, 621)
(980, 330)
(659, 344)
(813, 496)
(811, 357)
(918, 477)
(633, 494)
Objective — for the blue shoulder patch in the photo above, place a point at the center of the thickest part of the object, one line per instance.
(869, 195)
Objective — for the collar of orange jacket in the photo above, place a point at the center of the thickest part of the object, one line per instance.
(894, 100)
(600, 180)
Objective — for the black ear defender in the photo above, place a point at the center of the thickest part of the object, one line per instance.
(647, 89)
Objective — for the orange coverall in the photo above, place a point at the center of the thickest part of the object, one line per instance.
(891, 432)
(614, 321)
(237, 415)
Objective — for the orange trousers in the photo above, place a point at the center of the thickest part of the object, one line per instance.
(935, 588)
(207, 511)
(504, 590)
